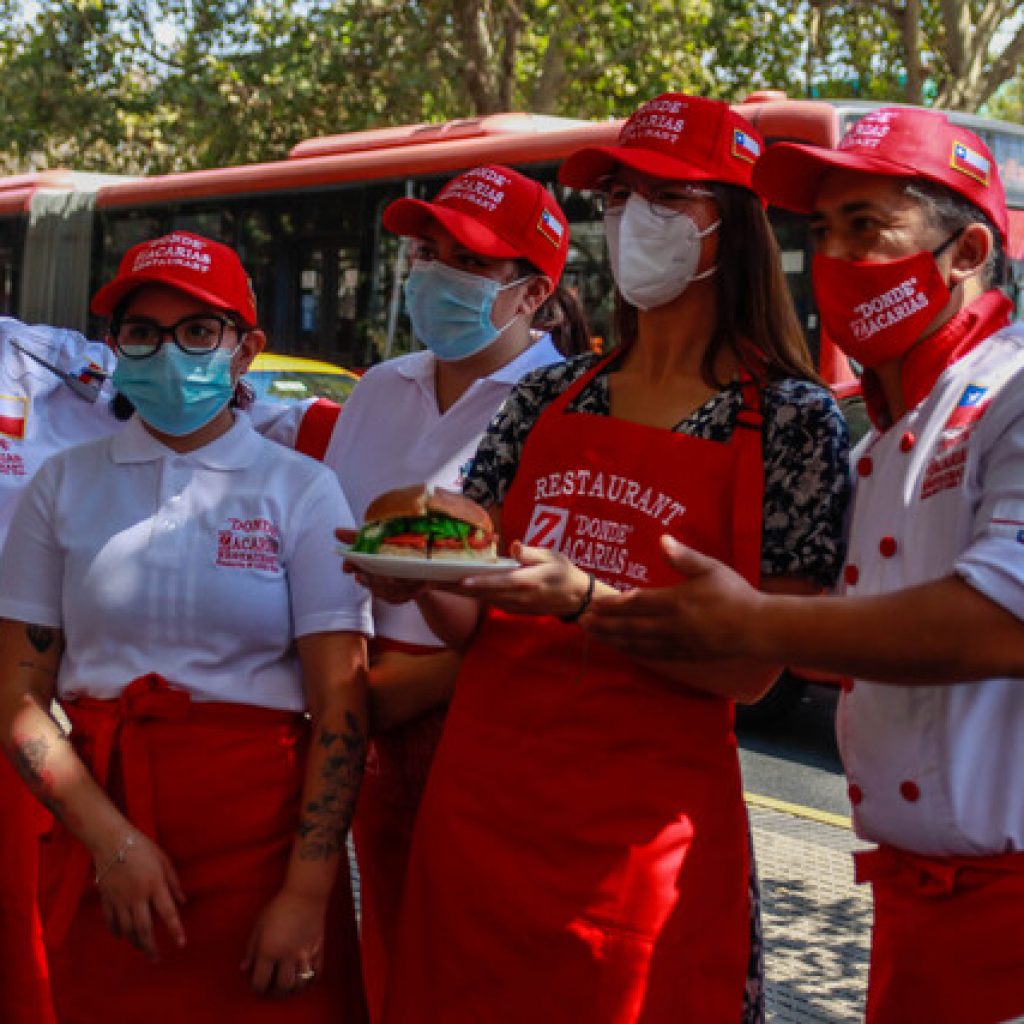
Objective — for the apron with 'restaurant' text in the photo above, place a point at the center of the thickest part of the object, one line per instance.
(581, 852)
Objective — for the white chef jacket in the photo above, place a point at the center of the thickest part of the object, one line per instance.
(391, 434)
(939, 770)
(200, 566)
(39, 413)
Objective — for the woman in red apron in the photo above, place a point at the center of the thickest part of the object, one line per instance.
(581, 853)
(171, 585)
(421, 416)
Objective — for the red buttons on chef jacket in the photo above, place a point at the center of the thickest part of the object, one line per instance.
(887, 547)
(910, 791)
(855, 793)
(851, 574)
(907, 441)
(865, 465)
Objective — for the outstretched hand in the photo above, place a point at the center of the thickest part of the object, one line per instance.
(704, 616)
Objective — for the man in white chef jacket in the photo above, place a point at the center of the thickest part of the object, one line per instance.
(909, 221)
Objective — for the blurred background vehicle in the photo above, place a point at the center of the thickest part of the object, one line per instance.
(288, 379)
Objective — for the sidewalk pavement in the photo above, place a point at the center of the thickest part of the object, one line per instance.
(817, 923)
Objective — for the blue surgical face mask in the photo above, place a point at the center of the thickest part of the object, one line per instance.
(174, 392)
(450, 309)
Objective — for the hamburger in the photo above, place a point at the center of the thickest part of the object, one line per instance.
(425, 522)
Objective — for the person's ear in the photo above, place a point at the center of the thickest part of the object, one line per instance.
(535, 293)
(252, 344)
(970, 252)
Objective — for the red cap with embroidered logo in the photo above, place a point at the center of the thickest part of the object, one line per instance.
(493, 211)
(901, 142)
(200, 267)
(674, 136)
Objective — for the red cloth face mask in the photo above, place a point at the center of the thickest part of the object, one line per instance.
(876, 311)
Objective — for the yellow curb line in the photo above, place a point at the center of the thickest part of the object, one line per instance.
(799, 811)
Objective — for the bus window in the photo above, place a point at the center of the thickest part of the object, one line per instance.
(12, 236)
(795, 249)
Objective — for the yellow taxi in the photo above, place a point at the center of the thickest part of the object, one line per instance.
(281, 378)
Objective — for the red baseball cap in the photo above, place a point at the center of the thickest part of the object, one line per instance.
(901, 142)
(674, 136)
(493, 211)
(190, 263)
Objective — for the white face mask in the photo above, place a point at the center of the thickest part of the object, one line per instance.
(653, 256)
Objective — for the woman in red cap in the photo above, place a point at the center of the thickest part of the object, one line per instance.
(582, 852)
(488, 253)
(171, 586)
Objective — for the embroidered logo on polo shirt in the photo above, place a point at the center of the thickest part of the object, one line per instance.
(11, 463)
(946, 469)
(249, 544)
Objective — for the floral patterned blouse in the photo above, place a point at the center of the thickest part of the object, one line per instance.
(806, 454)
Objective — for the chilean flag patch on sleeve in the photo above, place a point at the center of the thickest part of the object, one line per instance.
(13, 415)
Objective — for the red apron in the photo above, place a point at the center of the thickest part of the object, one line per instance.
(24, 990)
(397, 764)
(581, 854)
(218, 787)
(947, 945)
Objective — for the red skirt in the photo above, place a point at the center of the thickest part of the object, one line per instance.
(218, 787)
(24, 987)
(397, 767)
(948, 939)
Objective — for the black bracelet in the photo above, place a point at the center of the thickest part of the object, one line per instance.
(584, 604)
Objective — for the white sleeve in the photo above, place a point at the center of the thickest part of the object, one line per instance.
(32, 564)
(324, 599)
(279, 421)
(993, 563)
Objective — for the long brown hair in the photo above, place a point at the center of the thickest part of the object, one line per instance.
(756, 319)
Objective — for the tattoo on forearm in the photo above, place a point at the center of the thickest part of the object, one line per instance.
(30, 754)
(325, 818)
(40, 637)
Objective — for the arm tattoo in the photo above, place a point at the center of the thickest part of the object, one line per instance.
(30, 753)
(326, 817)
(40, 637)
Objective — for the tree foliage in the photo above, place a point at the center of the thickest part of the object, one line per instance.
(141, 86)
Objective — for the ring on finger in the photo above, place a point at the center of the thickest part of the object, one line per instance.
(307, 975)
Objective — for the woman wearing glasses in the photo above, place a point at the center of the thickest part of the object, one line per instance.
(582, 849)
(174, 586)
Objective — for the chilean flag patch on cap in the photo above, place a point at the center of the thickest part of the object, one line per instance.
(13, 415)
(549, 227)
(744, 146)
(967, 161)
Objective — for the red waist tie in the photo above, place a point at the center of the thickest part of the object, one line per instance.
(948, 939)
(118, 726)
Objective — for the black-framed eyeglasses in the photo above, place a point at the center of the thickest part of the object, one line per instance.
(139, 338)
(666, 200)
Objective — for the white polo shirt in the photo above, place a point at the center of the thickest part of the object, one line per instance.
(200, 566)
(39, 413)
(391, 433)
(939, 770)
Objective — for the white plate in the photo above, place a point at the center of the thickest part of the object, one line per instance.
(422, 568)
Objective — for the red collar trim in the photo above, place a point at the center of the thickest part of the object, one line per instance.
(925, 362)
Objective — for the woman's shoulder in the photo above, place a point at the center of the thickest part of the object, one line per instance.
(552, 380)
(795, 400)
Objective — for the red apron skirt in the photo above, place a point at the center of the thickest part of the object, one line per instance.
(24, 985)
(218, 788)
(397, 765)
(947, 945)
(581, 854)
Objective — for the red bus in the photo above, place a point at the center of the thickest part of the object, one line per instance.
(327, 278)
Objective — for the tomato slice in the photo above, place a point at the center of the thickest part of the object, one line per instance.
(407, 540)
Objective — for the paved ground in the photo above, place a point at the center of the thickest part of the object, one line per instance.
(817, 922)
